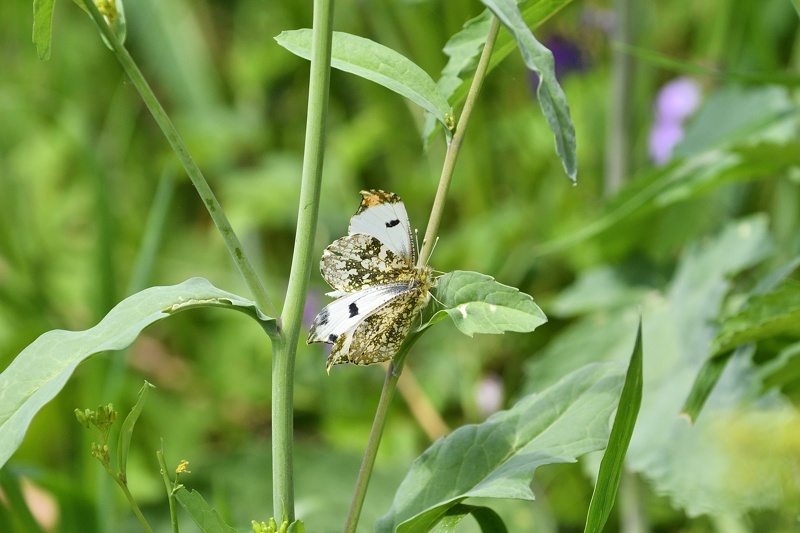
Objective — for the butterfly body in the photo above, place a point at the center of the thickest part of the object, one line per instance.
(376, 281)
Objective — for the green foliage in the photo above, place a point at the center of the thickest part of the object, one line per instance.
(551, 96)
(613, 463)
(126, 433)
(206, 517)
(487, 520)
(479, 304)
(763, 316)
(497, 459)
(700, 467)
(43, 27)
(377, 63)
(687, 244)
(40, 371)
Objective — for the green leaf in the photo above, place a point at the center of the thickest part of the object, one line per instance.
(465, 46)
(763, 316)
(498, 458)
(206, 518)
(126, 432)
(613, 462)
(704, 383)
(552, 99)
(479, 304)
(488, 520)
(296, 527)
(376, 63)
(40, 371)
(43, 27)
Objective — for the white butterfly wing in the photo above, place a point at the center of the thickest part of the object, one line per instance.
(383, 215)
(346, 313)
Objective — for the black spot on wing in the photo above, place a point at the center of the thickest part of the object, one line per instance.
(323, 316)
(392, 223)
(332, 337)
(353, 309)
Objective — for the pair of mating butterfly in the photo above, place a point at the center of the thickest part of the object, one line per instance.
(376, 281)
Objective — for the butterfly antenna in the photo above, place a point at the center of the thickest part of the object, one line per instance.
(433, 248)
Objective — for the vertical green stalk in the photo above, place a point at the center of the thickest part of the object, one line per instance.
(192, 170)
(173, 510)
(285, 348)
(618, 146)
(454, 147)
(396, 365)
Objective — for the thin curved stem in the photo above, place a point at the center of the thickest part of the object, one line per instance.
(396, 365)
(192, 170)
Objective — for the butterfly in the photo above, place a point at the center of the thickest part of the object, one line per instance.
(378, 286)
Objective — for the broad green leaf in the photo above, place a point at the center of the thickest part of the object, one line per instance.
(126, 432)
(706, 468)
(479, 304)
(43, 27)
(377, 63)
(487, 519)
(552, 99)
(40, 371)
(613, 462)
(206, 518)
(763, 316)
(498, 458)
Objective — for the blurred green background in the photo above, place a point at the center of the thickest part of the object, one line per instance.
(708, 206)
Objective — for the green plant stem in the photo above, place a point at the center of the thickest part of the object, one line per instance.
(396, 365)
(192, 170)
(454, 147)
(173, 511)
(129, 497)
(620, 102)
(378, 423)
(285, 349)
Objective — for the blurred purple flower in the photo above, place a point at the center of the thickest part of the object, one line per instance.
(567, 55)
(663, 138)
(675, 102)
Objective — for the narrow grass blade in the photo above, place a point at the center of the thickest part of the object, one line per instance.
(605, 491)
(126, 432)
(703, 384)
